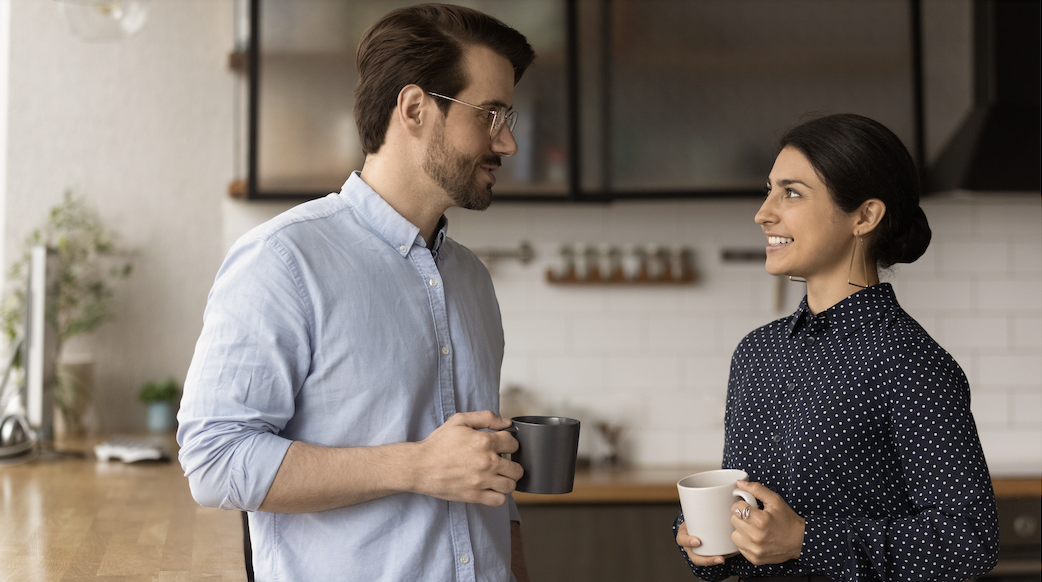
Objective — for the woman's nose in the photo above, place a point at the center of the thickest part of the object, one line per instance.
(765, 215)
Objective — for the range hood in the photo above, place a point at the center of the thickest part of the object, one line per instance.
(997, 148)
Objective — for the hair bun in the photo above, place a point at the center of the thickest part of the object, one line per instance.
(914, 238)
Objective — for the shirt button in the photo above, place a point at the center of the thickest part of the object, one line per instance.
(776, 438)
(433, 282)
(445, 350)
(448, 415)
(810, 340)
(464, 559)
(402, 249)
(790, 385)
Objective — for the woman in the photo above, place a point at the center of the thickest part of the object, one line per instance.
(853, 424)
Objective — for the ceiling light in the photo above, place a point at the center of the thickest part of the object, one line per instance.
(104, 20)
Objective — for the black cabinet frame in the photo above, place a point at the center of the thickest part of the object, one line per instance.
(248, 188)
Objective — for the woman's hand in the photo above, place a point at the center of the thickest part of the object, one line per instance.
(769, 536)
(690, 542)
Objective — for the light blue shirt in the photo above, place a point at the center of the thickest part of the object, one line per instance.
(334, 324)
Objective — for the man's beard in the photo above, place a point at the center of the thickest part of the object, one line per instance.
(455, 173)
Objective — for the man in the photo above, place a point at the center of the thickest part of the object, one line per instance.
(343, 385)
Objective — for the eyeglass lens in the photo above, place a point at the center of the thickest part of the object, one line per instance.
(501, 116)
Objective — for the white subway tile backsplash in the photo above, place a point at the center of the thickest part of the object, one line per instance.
(673, 335)
(570, 373)
(950, 219)
(701, 446)
(652, 299)
(1027, 332)
(1027, 257)
(932, 295)
(585, 224)
(975, 332)
(656, 359)
(564, 300)
(1011, 370)
(537, 335)
(1027, 408)
(642, 223)
(608, 335)
(1012, 452)
(925, 267)
(707, 374)
(684, 411)
(627, 409)
(648, 374)
(499, 225)
(991, 409)
(1010, 294)
(653, 446)
(518, 370)
(1010, 218)
(974, 257)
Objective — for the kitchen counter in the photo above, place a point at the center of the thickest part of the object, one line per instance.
(641, 485)
(70, 517)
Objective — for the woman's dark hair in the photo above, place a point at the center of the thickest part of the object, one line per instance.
(424, 45)
(859, 159)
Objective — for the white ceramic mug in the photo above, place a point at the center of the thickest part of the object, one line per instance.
(706, 499)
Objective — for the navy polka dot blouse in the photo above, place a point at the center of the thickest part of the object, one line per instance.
(862, 423)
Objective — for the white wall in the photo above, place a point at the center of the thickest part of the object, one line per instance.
(144, 129)
(656, 359)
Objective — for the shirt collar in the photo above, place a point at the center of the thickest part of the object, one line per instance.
(849, 314)
(385, 221)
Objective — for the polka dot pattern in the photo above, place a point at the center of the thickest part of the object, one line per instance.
(862, 423)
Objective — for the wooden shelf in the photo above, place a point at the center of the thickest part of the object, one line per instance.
(688, 277)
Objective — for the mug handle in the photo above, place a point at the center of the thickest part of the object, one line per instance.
(748, 497)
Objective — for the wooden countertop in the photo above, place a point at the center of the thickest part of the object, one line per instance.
(660, 486)
(68, 518)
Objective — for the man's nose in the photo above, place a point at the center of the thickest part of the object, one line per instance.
(504, 144)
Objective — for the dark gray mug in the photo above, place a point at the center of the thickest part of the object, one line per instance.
(547, 449)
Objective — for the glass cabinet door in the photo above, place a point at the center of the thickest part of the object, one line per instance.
(626, 98)
(306, 140)
(691, 96)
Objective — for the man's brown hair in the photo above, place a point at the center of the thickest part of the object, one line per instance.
(424, 45)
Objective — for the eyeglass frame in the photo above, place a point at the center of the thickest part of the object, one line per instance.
(509, 116)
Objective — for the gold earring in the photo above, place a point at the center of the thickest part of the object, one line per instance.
(858, 241)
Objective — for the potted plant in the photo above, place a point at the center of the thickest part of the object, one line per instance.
(89, 261)
(159, 396)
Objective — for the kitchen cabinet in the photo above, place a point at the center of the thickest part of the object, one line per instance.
(602, 543)
(627, 98)
(617, 525)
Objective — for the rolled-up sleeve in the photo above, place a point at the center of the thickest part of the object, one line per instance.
(250, 361)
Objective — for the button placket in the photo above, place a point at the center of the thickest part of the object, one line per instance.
(458, 522)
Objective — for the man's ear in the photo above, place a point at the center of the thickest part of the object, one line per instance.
(869, 215)
(412, 109)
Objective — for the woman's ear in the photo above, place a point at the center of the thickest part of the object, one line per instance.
(409, 111)
(869, 215)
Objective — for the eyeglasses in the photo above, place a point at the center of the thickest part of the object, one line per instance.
(500, 115)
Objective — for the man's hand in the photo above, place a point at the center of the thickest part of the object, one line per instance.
(769, 536)
(689, 542)
(461, 462)
(457, 462)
